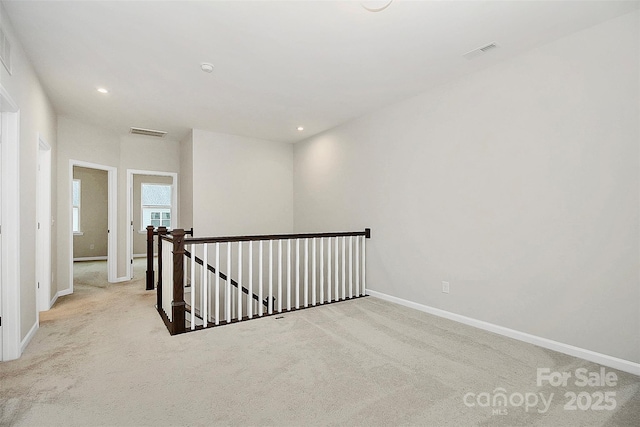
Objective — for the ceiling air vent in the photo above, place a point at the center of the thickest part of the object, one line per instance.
(148, 132)
(5, 51)
(480, 50)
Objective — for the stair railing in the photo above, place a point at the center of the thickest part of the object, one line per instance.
(223, 280)
(151, 232)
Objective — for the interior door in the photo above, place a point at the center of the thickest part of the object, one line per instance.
(43, 232)
(1, 340)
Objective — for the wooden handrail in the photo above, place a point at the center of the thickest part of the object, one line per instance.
(169, 231)
(366, 233)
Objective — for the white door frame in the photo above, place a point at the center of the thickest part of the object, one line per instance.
(43, 240)
(174, 208)
(112, 239)
(10, 221)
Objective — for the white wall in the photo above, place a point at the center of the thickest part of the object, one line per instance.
(518, 184)
(88, 143)
(82, 142)
(241, 185)
(36, 117)
(185, 182)
(141, 153)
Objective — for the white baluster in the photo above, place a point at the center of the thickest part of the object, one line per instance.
(357, 251)
(313, 271)
(167, 277)
(270, 307)
(250, 296)
(279, 276)
(306, 273)
(239, 293)
(297, 274)
(336, 269)
(289, 274)
(184, 277)
(260, 306)
(193, 286)
(344, 267)
(205, 286)
(227, 294)
(364, 266)
(321, 270)
(217, 303)
(329, 269)
(350, 266)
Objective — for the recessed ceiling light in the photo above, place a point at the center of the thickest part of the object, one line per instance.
(300, 128)
(102, 90)
(206, 67)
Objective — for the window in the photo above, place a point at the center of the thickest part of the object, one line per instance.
(76, 205)
(156, 205)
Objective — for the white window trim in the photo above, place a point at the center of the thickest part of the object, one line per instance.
(79, 232)
(164, 207)
(160, 208)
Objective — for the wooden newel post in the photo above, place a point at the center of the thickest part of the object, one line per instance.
(161, 232)
(178, 304)
(150, 278)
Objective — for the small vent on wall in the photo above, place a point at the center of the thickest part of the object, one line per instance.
(480, 50)
(148, 132)
(5, 51)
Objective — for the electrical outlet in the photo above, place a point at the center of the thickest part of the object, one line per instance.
(445, 287)
(92, 246)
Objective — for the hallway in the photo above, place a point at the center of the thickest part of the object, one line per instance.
(103, 356)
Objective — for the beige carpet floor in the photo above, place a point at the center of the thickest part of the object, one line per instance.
(102, 356)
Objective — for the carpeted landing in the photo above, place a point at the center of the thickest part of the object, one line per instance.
(102, 356)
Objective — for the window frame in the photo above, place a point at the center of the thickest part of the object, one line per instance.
(77, 232)
(161, 208)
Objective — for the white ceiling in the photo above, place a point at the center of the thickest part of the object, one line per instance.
(277, 64)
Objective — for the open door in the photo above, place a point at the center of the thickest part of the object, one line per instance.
(43, 232)
(1, 290)
(152, 200)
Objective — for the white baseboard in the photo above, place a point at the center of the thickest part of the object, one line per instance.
(54, 299)
(27, 339)
(64, 292)
(90, 258)
(592, 356)
(140, 255)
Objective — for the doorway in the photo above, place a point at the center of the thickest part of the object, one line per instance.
(90, 222)
(152, 200)
(43, 232)
(75, 218)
